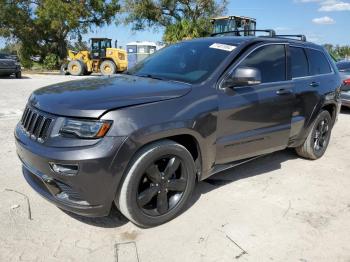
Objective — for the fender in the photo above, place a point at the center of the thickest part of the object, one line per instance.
(141, 138)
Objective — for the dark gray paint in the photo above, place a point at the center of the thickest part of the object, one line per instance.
(227, 124)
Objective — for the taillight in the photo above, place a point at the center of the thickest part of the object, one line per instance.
(347, 82)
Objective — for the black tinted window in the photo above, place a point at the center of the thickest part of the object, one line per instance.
(300, 66)
(270, 60)
(318, 62)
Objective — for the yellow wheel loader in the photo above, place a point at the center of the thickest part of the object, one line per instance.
(102, 58)
(236, 25)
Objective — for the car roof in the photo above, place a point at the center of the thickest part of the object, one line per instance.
(238, 40)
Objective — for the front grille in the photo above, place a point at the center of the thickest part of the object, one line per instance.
(35, 124)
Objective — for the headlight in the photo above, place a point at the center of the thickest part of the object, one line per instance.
(85, 128)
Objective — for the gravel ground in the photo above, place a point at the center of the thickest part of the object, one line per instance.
(277, 208)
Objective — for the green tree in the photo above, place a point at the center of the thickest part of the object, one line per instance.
(180, 19)
(43, 26)
(338, 52)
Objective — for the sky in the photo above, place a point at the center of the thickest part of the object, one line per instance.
(322, 21)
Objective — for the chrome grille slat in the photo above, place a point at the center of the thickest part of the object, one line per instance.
(29, 116)
(24, 115)
(32, 122)
(43, 133)
(35, 124)
(38, 125)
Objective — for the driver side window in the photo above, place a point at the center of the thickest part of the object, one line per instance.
(270, 60)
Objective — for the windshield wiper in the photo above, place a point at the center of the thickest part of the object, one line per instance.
(161, 78)
(153, 77)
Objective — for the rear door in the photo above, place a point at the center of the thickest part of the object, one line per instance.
(254, 120)
(310, 89)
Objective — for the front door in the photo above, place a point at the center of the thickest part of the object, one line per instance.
(256, 119)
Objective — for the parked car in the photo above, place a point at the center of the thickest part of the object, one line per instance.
(344, 69)
(9, 65)
(141, 140)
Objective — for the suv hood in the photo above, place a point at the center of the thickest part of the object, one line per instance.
(92, 97)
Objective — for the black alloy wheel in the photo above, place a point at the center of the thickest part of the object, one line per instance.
(158, 184)
(318, 138)
(161, 187)
(321, 135)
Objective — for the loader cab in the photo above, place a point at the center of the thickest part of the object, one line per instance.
(99, 46)
(237, 25)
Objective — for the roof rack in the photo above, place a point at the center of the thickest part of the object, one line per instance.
(302, 37)
(272, 33)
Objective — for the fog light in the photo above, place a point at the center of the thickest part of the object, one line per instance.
(65, 170)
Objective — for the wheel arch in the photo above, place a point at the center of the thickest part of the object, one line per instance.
(187, 139)
(109, 59)
(332, 109)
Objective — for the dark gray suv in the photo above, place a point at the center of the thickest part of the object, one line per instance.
(141, 140)
(9, 65)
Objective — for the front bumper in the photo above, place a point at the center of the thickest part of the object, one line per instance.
(90, 192)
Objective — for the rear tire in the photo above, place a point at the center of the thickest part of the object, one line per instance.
(64, 69)
(76, 68)
(18, 74)
(158, 184)
(108, 68)
(317, 141)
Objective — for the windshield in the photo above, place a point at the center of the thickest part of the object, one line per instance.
(190, 62)
(224, 25)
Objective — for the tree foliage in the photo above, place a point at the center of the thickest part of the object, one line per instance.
(43, 26)
(337, 51)
(180, 19)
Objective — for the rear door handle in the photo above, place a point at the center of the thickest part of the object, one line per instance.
(314, 84)
(283, 92)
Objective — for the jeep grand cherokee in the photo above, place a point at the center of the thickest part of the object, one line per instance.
(141, 140)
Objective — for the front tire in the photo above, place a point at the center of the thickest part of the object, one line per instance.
(317, 141)
(108, 68)
(158, 184)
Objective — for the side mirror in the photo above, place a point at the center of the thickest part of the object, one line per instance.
(243, 76)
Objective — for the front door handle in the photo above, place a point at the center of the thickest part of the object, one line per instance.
(283, 92)
(315, 84)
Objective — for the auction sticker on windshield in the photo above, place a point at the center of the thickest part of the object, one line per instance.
(224, 47)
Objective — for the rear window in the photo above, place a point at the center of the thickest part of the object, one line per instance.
(300, 66)
(319, 64)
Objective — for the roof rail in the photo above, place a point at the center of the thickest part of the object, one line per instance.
(302, 37)
(271, 32)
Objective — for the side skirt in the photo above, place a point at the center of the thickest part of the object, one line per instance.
(219, 168)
